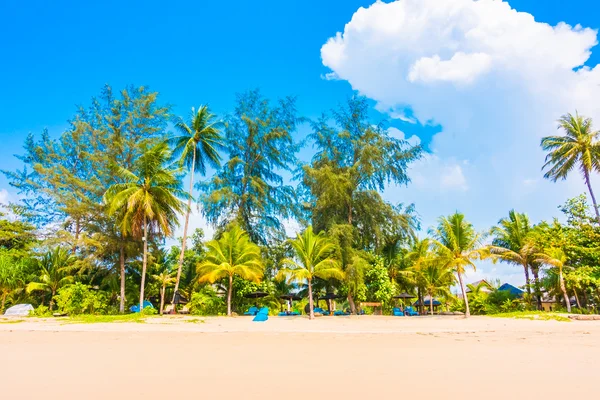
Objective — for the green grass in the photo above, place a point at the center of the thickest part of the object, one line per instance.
(195, 321)
(533, 315)
(102, 319)
(11, 321)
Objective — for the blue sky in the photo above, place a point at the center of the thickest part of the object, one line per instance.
(58, 54)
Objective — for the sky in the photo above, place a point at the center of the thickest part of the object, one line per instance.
(478, 83)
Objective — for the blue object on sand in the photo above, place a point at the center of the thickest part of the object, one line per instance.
(251, 311)
(262, 315)
(136, 308)
(398, 312)
(411, 312)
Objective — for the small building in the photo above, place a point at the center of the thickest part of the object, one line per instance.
(515, 291)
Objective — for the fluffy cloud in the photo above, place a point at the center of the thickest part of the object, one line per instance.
(493, 78)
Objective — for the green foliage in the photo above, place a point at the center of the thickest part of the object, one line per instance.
(41, 312)
(578, 148)
(249, 189)
(206, 302)
(233, 254)
(78, 299)
(533, 315)
(378, 284)
(457, 245)
(15, 235)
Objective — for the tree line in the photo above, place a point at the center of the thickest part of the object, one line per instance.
(98, 202)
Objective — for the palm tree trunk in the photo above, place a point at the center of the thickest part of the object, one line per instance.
(144, 264)
(229, 295)
(430, 304)
(311, 310)
(52, 300)
(464, 293)
(351, 303)
(586, 175)
(577, 298)
(538, 292)
(564, 290)
(527, 282)
(162, 299)
(122, 267)
(420, 300)
(186, 224)
(3, 301)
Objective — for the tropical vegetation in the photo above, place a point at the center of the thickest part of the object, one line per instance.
(96, 229)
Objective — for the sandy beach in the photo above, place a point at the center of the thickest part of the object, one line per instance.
(294, 358)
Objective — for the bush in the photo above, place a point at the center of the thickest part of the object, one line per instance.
(206, 302)
(41, 312)
(78, 299)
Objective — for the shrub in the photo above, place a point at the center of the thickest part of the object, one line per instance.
(206, 302)
(78, 299)
(41, 312)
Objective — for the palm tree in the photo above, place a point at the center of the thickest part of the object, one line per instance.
(233, 254)
(579, 148)
(314, 258)
(555, 257)
(55, 272)
(457, 246)
(164, 279)
(148, 200)
(419, 255)
(436, 280)
(511, 245)
(196, 146)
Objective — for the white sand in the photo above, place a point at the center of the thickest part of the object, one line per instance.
(294, 358)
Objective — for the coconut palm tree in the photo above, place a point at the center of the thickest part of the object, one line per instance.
(233, 254)
(164, 279)
(436, 280)
(511, 245)
(196, 146)
(419, 255)
(457, 245)
(314, 258)
(578, 148)
(56, 267)
(557, 258)
(148, 200)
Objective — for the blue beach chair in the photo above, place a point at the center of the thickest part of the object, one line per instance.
(251, 311)
(410, 312)
(262, 315)
(397, 312)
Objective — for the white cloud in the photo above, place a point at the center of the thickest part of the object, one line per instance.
(452, 177)
(493, 78)
(413, 140)
(461, 68)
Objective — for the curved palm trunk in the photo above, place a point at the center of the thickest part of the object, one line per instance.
(122, 268)
(144, 264)
(311, 310)
(352, 304)
(229, 295)
(586, 175)
(564, 290)
(464, 293)
(577, 298)
(185, 226)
